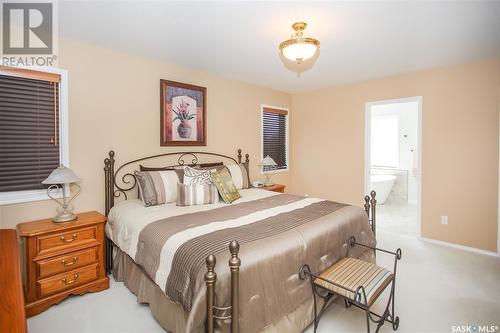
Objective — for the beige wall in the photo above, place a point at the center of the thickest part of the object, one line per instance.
(498, 228)
(114, 104)
(460, 146)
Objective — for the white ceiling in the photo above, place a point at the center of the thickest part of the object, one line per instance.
(239, 40)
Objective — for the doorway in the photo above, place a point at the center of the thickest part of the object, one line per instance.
(393, 150)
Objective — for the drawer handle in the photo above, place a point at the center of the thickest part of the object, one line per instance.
(71, 263)
(73, 237)
(66, 282)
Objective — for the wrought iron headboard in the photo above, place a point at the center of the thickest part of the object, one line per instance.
(119, 182)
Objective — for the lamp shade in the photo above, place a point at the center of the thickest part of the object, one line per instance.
(299, 48)
(268, 161)
(61, 175)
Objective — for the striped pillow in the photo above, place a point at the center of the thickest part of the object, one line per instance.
(239, 174)
(157, 187)
(197, 194)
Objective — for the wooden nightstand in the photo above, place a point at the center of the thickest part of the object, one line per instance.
(275, 188)
(62, 259)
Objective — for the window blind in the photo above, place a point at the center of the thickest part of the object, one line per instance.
(29, 130)
(275, 136)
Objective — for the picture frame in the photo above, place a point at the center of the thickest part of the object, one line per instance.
(182, 114)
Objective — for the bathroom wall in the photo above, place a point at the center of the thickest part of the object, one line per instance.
(405, 186)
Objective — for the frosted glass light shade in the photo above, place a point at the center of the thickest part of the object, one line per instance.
(299, 51)
(299, 48)
(61, 175)
(268, 161)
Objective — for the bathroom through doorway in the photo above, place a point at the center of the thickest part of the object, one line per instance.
(393, 137)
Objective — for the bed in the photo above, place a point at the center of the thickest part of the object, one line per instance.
(160, 252)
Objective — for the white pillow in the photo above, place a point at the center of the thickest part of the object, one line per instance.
(170, 180)
(239, 174)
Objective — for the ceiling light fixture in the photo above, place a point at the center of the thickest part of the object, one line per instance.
(299, 48)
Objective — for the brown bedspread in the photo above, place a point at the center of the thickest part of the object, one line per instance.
(273, 248)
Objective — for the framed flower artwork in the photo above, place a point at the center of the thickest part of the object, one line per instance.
(182, 114)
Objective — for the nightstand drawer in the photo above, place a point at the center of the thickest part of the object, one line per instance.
(62, 259)
(68, 239)
(66, 262)
(67, 280)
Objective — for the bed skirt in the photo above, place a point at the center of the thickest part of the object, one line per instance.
(172, 316)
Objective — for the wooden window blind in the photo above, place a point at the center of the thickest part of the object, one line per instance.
(274, 124)
(29, 128)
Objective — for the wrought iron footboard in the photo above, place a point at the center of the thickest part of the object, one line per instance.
(371, 208)
(211, 279)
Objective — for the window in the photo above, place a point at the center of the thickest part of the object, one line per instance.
(275, 135)
(33, 131)
(385, 141)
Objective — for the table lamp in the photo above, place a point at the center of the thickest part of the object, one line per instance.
(59, 178)
(268, 168)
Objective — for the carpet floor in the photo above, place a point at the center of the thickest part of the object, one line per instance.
(439, 289)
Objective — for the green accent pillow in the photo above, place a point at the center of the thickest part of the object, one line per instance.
(224, 183)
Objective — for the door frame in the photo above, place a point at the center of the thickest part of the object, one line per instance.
(368, 107)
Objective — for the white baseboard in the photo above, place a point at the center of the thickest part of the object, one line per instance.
(461, 247)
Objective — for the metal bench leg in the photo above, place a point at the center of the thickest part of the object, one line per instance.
(394, 319)
(315, 306)
(368, 320)
(347, 303)
(388, 315)
(304, 272)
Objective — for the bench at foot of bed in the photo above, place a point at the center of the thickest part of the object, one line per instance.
(360, 283)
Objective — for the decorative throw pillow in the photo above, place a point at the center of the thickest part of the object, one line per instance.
(157, 187)
(195, 176)
(197, 194)
(239, 174)
(222, 179)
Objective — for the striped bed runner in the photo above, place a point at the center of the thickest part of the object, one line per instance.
(352, 273)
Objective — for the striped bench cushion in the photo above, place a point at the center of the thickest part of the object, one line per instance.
(352, 273)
